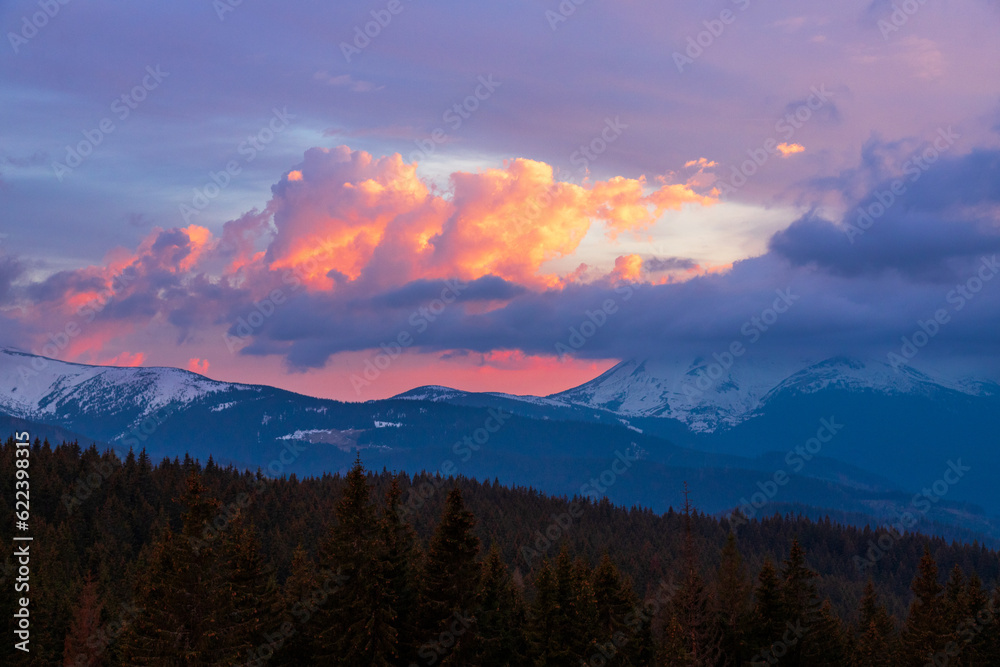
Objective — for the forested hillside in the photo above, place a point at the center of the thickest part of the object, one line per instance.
(179, 563)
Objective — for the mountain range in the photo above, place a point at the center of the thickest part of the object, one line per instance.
(855, 439)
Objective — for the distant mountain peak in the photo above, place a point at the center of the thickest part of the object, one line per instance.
(32, 386)
(715, 392)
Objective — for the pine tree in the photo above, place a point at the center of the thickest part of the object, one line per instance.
(500, 617)
(874, 631)
(545, 617)
(450, 584)
(801, 604)
(971, 630)
(825, 644)
(692, 605)
(769, 618)
(565, 614)
(249, 588)
(402, 558)
(623, 637)
(990, 621)
(356, 627)
(955, 606)
(583, 607)
(925, 632)
(732, 604)
(181, 592)
(295, 612)
(80, 647)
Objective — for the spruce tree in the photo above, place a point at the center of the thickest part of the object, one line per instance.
(768, 618)
(356, 627)
(450, 585)
(801, 604)
(972, 629)
(692, 606)
(80, 647)
(546, 617)
(500, 617)
(249, 589)
(733, 592)
(181, 593)
(825, 644)
(402, 560)
(622, 632)
(301, 598)
(925, 632)
(874, 632)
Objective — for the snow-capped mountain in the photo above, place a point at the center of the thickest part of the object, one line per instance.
(727, 430)
(706, 396)
(33, 387)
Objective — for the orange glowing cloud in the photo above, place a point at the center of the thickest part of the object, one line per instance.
(628, 268)
(349, 216)
(790, 149)
(344, 218)
(199, 366)
(125, 359)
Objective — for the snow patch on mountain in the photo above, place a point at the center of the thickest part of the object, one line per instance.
(706, 396)
(32, 386)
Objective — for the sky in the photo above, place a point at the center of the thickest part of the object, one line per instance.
(349, 200)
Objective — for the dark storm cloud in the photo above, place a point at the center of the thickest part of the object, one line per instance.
(928, 224)
(418, 292)
(656, 264)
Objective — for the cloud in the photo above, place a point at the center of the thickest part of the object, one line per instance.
(199, 366)
(356, 235)
(946, 218)
(790, 149)
(125, 359)
(346, 81)
(656, 264)
(363, 253)
(352, 217)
